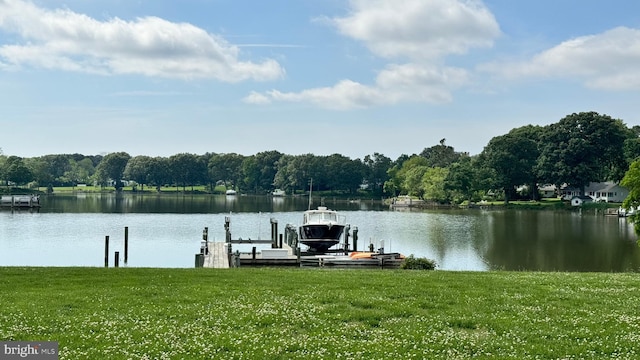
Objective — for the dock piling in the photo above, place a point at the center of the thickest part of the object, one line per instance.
(106, 251)
(199, 260)
(274, 233)
(126, 244)
(355, 238)
(116, 260)
(346, 239)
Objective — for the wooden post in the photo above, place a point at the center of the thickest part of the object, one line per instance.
(227, 229)
(274, 233)
(126, 244)
(280, 241)
(205, 238)
(227, 238)
(106, 251)
(116, 261)
(346, 239)
(355, 238)
(253, 253)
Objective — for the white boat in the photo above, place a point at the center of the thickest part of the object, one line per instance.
(623, 212)
(230, 192)
(321, 229)
(278, 192)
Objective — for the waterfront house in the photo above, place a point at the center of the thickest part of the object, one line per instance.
(547, 191)
(601, 192)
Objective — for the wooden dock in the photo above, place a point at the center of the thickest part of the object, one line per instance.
(284, 250)
(20, 201)
(216, 256)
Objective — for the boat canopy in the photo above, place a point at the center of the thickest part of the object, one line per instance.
(322, 216)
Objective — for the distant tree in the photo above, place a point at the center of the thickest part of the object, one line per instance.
(433, 185)
(409, 176)
(251, 174)
(56, 167)
(80, 171)
(40, 170)
(138, 169)
(3, 160)
(16, 171)
(581, 148)
(463, 181)
(260, 170)
(631, 181)
(159, 172)
(631, 147)
(397, 183)
(112, 168)
(531, 132)
(412, 180)
(513, 159)
(376, 172)
(267, 162)
(440, 155)
(187, 169)
(226, 168)
(294, 172)
(346, 174)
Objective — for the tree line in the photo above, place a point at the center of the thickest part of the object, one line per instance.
(578, 149)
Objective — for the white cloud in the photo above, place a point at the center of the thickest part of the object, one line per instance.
(65, 40)
(419, 29)
(422, 32)
(395, 84)
(257, 99)
(607, 61)
(346, 94)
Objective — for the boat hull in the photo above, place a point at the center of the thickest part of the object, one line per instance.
(320, 237)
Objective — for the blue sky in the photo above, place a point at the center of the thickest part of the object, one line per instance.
(160, 77)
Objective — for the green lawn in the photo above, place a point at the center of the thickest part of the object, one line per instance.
(126, 313)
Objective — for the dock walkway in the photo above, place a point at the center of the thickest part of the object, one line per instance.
(216, 256)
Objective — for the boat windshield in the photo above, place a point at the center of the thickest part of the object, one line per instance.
(321, 217)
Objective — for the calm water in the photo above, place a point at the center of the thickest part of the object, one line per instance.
(165, 231)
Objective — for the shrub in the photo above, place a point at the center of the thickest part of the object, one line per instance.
(413, 263)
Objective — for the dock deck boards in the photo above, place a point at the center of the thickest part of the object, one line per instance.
(216, 256)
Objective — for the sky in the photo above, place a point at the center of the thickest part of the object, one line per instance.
(353, 77)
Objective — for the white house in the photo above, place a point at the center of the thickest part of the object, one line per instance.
(602, 192)
(547, 191)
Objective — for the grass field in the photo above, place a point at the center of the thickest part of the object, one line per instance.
(126, 313)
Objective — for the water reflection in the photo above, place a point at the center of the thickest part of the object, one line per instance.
(561, 241)
(193, 204)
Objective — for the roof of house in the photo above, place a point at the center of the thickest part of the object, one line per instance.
(582, 197)
(597, 186)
